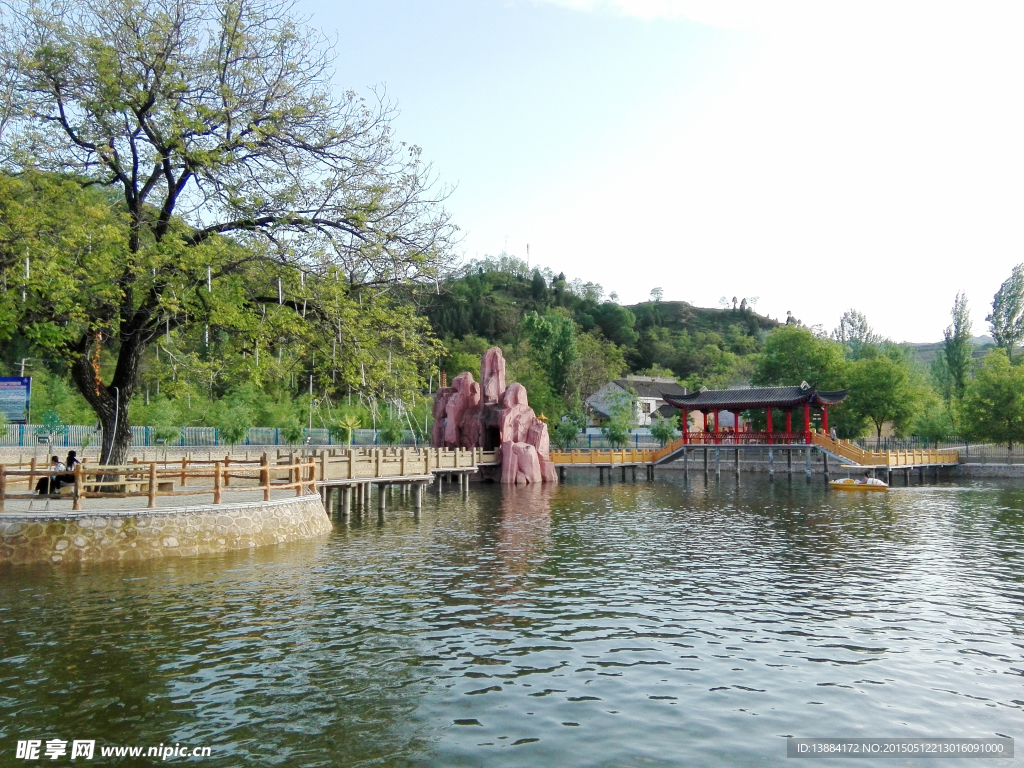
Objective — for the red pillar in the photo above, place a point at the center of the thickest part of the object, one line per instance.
(704, 432)
(768, 412)
(789, 423)
(807, 422)
(824, 419)
(685, 426)
(716, 426)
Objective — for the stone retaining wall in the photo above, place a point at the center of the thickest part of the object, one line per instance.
(104, 535)
(988, 470)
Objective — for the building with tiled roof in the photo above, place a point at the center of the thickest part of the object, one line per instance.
(650, 391)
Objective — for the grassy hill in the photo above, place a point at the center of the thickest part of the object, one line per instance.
(486, 303)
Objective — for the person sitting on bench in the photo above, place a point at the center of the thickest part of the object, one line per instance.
(50, 483)
(69, 469)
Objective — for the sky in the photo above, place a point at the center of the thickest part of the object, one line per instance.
(816, 155)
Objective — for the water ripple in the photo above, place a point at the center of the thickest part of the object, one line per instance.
(624, 625)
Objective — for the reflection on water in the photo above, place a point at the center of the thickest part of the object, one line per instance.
(616, 625)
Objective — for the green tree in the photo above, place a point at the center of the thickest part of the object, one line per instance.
(951, 369)
(390, 427)
(994, 402)
(244, 186)
(232, 418)
(344, 427)
(621, 418)
(292, 431)
(885, 388)
(1007, 319)
(51, 425)
(553, 339)
(793, 354)
(616, 323)
(934, 423)
(599, 362)
(567, 430)
(957, 348)
(663, 430)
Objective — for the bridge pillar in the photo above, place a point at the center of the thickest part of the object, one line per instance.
(417, 496)
(381, 497)
(346, 500)
(718, 457)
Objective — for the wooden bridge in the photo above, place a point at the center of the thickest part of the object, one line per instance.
(847, 453)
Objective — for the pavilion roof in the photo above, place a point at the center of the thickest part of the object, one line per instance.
(755, 397)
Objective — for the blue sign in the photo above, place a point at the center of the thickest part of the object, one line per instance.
(15, 396)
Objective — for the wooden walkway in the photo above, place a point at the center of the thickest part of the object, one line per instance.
(680, 449)
(327, 471)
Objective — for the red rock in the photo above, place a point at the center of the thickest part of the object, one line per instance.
(509, 464)
(492, 376)
(527, 463)
(537, 436)
(464, 411)
(466, 398)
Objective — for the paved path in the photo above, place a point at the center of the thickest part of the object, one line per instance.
(44, 504)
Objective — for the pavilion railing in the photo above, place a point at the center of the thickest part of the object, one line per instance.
(745, 438)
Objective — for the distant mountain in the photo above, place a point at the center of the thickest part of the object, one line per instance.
(926, 352)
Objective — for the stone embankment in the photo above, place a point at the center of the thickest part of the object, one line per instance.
(133, 534)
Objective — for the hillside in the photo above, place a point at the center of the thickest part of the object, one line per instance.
(486, 303)
(926, 352)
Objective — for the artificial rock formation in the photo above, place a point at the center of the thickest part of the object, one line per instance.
(490, 415)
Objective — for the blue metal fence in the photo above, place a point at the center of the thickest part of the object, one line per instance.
(23, 435)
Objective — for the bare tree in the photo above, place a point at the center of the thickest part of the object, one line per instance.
(212, 119)
(855, 332)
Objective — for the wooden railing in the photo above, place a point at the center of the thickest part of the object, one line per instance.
(626, 456)
(905, 458)
(152, 481)
(359, 463)
(189, 476)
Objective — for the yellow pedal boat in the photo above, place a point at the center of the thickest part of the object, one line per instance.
(853, 485)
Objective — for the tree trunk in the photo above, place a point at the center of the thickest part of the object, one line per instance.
(110, 402)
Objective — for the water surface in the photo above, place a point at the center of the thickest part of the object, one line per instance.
(647, 624)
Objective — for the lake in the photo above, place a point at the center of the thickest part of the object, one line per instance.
(646, 624)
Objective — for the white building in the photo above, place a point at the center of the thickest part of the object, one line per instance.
(649, 391)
